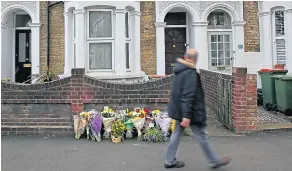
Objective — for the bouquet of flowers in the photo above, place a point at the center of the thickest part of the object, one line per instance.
(96, 125)
(79, 126)
(129, 126)
(139, 123)
(164, 123)
(109, 116)
(153, 134)
(85, 117)
(118, 129)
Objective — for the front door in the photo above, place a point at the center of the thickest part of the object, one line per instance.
(22, 56)
(175, 47)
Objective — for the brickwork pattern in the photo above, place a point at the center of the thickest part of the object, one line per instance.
(148, 37)
(244, 96)
(57, 44)
(251, 28)
(80, 92)
(244, 102)
(77, 91)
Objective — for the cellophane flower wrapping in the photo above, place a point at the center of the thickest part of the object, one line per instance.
(79, 126)
(107, 123)
(129, 126)
(139, 123)
(96, 124)
(76, 119)
(164, 123)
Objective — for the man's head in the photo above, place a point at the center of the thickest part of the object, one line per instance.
(191, 56)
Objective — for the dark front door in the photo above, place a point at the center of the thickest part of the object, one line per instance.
(175, 47)
(22, 56)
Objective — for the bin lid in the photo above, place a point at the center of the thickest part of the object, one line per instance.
(265, 70)
(277, 76)
(286, 78)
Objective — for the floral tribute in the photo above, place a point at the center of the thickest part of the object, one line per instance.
(141, 123)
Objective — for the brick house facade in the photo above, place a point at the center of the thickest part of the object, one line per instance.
(151, 50)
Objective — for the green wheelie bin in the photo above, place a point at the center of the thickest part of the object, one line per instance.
(268, 86)
(283, 89)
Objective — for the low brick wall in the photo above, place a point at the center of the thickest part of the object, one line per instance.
(41, 102)
(48, 108)
(244, 96)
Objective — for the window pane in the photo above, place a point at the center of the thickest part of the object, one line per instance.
(213, 38)
(214, 54)
(127, 24)
(213, 46)
(227, 53)
(100, 56)
(74, 53)
(227, 46)
(279, 23)
(281, 51)
(127, 56)
(22, 20)
(227, 61)
(220, 38)
(29, 47)
(22, 47)
(100, 24)
(220, 62)
(219, 20)
(220, 54)
(220, 45)
(226, 37)
(214, 62)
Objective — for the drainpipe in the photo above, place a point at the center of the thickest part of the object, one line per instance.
(48, 30)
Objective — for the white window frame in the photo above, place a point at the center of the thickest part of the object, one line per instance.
(128, 40)
(223, 32)
(74, 40)
(100, 40)
(275, 37)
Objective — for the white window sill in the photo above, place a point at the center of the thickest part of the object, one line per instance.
(113, 75)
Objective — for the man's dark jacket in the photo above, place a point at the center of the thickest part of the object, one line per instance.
(187, 96)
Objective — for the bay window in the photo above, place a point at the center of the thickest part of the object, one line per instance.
(279, 37)
(128, 39)
(100, 39)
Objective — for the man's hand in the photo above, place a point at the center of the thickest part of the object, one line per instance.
(185, 122)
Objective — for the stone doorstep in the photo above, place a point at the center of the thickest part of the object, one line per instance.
(273, 126)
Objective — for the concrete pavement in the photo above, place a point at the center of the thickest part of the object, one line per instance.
(269, 151)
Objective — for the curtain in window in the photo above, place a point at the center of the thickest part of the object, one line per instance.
(100, 56)
(100, 24)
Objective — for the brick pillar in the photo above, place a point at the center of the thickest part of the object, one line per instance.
(244, 100)
(148, 37)
(77, 75)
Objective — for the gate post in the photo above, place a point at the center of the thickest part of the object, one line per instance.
(244, 100)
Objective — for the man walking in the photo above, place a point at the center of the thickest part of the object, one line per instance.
(187, 107)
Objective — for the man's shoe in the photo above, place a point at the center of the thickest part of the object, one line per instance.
(178, 164)
(223, 162)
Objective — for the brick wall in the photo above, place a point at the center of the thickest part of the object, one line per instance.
(79, 92)
(57, 44)
(48, 107)
(148, 37)
(243, 97)
(251, 28)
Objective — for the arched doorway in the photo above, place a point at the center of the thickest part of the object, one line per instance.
(16, 56)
